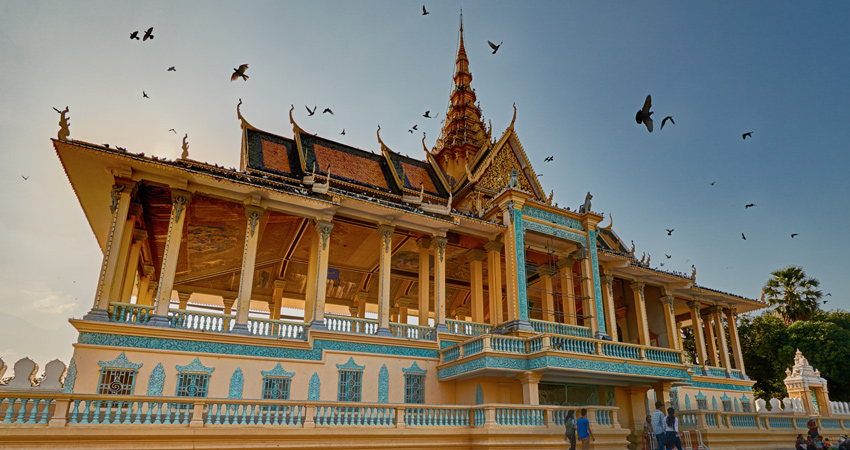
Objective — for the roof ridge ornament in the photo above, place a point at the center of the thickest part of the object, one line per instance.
(64, 125)
(185, 154)
(243, 123)
(608, 228)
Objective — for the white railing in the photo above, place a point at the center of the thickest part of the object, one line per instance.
(351, 324)
(201, 321)
(467, 328)
(276, 328)
(412, 331)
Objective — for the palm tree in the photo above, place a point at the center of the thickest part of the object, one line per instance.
(793, 295)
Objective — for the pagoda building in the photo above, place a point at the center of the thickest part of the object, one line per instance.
(320, 287)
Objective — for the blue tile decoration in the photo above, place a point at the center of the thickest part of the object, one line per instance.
(383, 385)
(557, 232)
(156, 381)
(277, 372)
(597, 287)
(121, 362)
(531, 211)
(350, 365)
(479, 395)
(236, 382)
(414, 370)
(195, 366)
(116, 340)
(728, 387)
(687, 402)
(314, 389)
(497, 362)
(725, 397)
(737, 407)
(699, 396)
(70, 378)
(714, 403)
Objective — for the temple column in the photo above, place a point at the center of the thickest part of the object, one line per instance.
(640, 310)
(121, 193)
(608, 299)
(588, 301)
(440, 282)
(735, 340)
(249, 256)
(494, 282)
(670, 321)
(132, 264)
(476, 283)
(565, 265)
(598, 324)
(548, 294)
(277, 299)
(699, 338)
(424, 245)
(361, 304)
(320, 287)
(515, 276)
(403, 306)
(709, 340)
(530, 393)
(723, 349)
(184, 299)
(179, 204)
(144, 285)
(116, 291)
(461, 313)
(394, 314)
(384, 282)
(150, 297)
(310, 284)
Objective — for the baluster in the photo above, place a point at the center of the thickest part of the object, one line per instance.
(34, 410)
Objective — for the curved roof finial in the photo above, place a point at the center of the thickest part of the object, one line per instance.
(608, 228)
(295, 127)
(384, 147)
(514, 118)
(244, 123)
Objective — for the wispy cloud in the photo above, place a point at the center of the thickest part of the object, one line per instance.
(48, 302)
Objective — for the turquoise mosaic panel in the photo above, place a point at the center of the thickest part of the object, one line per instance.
(315, 388)
(496, 362)
(557, 232)
(383, 385)
(594, 262)
(728, 387)
(236, 383)
(479, 395)
(414, 369)
(156, 381)
(115, 340)
(121, 362)
(70, 378)
(551, 217)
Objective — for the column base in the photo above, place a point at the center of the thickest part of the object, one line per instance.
(383, 331)
(513, 325)
(318, 325)
(97, 315)
(240, 328)
(158, 321)
(602, 336)
(440, 328)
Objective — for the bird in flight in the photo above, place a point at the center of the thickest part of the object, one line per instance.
(549, 159)
(828, 294)
(148, 34)
(662, 264)
(311, 112)
(416, 127)
(670, 231)
(427, 114)
(794, 234)
(328, 110)
(750, 205)
(172, 69)
(712, 183)
(343, 132)
(668, 256)
(410, 131)
(494, 46)
(643, 114)
(173, 130)
(424, 11)
(743, 237)
(240, 72)
(670, 118)
(144, 94)
(25, 178)
(746, 135)
(134, 35)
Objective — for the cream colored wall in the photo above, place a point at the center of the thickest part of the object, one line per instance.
(494, 389)
(88, 373)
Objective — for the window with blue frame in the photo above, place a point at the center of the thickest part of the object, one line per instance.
(192, 384)
(349, 385)
(276, 388)
(116, 381)
(414, 388)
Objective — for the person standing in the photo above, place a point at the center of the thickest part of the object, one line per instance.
(657, 420)
(671, 430)
(570, 425)
(585, 434)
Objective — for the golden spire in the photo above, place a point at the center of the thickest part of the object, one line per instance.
(463, 134)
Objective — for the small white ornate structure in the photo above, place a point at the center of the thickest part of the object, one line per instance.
(807, 390)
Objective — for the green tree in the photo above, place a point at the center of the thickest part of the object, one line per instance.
(792, 294)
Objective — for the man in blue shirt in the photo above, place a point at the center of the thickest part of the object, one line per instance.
(585, 435)
(657, 420)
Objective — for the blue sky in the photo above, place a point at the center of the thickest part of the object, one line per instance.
(577, 72)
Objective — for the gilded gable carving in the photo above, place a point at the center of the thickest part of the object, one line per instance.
(498, 174)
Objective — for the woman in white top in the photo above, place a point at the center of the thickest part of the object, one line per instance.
(671, 430)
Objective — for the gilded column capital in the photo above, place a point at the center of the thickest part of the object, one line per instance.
(323, 230)
(135, 210)
(386, 233)
(476, 254)
(565, 262)
(493, 246)
(139, 234)
(461, 311)
(637, 286)
(716, 309)
(423, 242)
(148, 271)
(529, 377)
(607, 279)
(694, 304)
(120, 186)
(280, 284)
(253, 214)
(731, 312)
(404, 302)
(180, 200)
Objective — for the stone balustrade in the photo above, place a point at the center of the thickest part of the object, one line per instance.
(25, 376)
